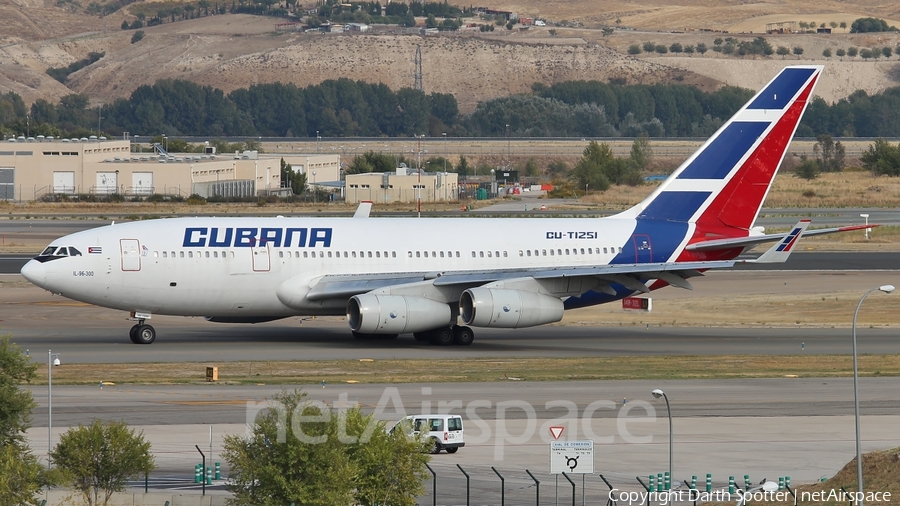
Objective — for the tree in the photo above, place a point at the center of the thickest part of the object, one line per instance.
(125, 25)
(882, 159)
(462, 168)
(887, 51)
(843, 25)
(829, 154)
(689, 49)
(833, 24)
(676, 47)
(865, 53)
(782, 51)
(841, 53)
(634, 49)
(21, 476)
(661, 49)
(326, 458)
(826, 53)
(99, 459)
(863, 25)
(701, 48)
(649, 47)
(808, 169)
(138, 35)
(641, 152)
(588, 172)
(293, 180)
(852, 52)
(797, 51)
(531, 168)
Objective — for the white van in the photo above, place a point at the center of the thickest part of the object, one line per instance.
(443, 432)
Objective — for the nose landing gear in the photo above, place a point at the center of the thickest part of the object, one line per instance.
(142, 333)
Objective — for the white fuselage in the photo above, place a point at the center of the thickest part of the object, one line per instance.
(190, 266)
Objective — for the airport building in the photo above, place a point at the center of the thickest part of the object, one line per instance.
(37, 168)
(403, 185)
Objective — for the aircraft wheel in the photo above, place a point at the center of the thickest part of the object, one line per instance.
(442, 336)
(132, 334)
(463, 335)
(145, 334)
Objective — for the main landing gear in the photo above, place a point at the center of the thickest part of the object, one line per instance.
(445, 336)
(142, 334)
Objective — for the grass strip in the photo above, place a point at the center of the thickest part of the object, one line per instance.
(482, 370)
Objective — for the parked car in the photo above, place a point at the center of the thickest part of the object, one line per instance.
(442, 432)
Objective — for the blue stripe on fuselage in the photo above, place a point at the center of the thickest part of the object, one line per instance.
(782, 90)
(725, 151)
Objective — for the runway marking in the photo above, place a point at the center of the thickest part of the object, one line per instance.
(236, 402)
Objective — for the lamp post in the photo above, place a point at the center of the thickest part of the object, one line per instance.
(317, 141)
(445, 151)
(859, 475)
(315, 196)
(52, 360)
(659, 393)
(866, 216)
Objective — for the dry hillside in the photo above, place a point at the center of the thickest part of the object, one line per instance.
(234, 51)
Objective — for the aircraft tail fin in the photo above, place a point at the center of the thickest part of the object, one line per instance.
(720, 189)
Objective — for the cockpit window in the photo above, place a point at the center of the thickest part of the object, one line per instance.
(55, 252)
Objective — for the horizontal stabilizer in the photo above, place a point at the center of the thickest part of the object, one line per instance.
(780, 252)
(754, 240)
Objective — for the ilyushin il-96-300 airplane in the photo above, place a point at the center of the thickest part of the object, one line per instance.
(391, 276)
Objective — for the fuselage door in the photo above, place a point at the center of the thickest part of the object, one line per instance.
(643, 250)
(260, 254)
(131, 254)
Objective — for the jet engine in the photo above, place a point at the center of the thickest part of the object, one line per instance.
(492, 307)
(395, 314)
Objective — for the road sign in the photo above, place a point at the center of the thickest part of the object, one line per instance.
(556, 431)
(572, 457)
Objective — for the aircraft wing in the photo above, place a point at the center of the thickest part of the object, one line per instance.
(629, 275)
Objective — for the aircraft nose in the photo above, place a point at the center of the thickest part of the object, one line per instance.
(36, 272)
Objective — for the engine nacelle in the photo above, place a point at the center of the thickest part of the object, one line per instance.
(395, 314)
(492, 307)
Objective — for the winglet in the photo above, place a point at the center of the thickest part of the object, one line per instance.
(780, 252)
(365, 207)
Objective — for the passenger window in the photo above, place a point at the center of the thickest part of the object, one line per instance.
(559, 252)
(215, 254)
(393, 254)
(505, 255)
(426, 254)
(522, 253)
(190, 254)
(481, 253)
(433, 254)
(321, 254)
(296, 254)
(370, 254)
(620, 250)
(489, 254)
(604, 250)
(457, 254)
(281, 254)
(442, 254)
(207, 254)
(377, 254)
(567, 251)
(305, 254)
(329, 254)
(164, 254)
(529, 252)
(551, 252)
(590, 251)
(385, 254)
(497, 254)
(473, 254)
(353, 254)
(418, 254)
(172, 254)
(436, 425)
(544, 252)
(346, 255)
(582, 251)
(454, 424)
(155, 254)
